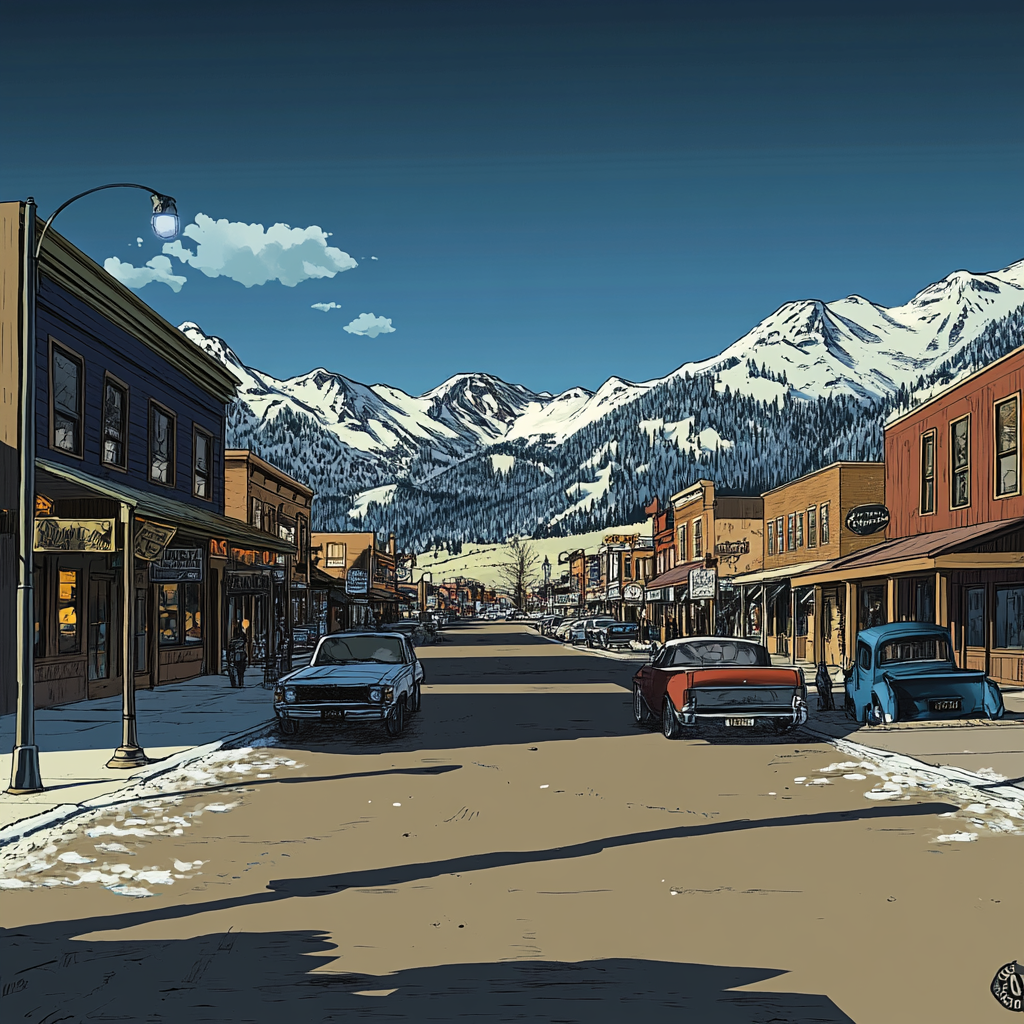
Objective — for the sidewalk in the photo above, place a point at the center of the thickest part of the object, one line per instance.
(972, 749)
(176, 723)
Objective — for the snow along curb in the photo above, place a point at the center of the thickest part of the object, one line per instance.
(64, 812)
(959, 778)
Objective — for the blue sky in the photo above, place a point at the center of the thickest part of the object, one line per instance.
(555, 192)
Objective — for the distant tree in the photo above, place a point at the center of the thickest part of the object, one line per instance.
(519, 569)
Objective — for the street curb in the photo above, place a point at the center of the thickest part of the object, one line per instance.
(65, 812)
(956, 776)
(595, 651)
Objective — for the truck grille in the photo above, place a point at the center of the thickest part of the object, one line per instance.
(332, 693)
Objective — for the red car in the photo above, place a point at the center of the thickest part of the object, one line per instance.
(717, 680)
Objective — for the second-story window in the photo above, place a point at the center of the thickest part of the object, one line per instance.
(161, 445)
(698, 538)
(812, 527)
(791, 532)
(780, 537)
(823, 523)
(66, 396)
(115, 423)
(1007, 468)
(335, 556)
(928, 473)
(799, 529)
(771, 537)
(683, 543)
(960, 463)
(202, 457)
(257, 513)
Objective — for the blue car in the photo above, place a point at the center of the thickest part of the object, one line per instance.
(905, 671)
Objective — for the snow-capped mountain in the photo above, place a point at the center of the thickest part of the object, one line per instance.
(371, 448)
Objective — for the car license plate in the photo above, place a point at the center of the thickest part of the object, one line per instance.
(332, 713)
(946, 705)
(739, 721)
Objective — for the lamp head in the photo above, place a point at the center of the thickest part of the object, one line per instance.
(165, 216)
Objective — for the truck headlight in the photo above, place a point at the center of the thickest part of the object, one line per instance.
(375, 693)
(278, 695)
(389, 694)
(289, 695)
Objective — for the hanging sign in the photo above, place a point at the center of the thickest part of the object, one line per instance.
(52, 534)
(178, 565)
(151, 539)
(867, 519)
(44, 505)
(702, 584)
(633, 593)
(357, 581)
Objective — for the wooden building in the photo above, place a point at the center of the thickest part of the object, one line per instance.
(130, 524)
(366, 569)
(954, 547)
(271, 606)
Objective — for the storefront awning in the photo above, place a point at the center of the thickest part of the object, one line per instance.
(924, 552)
(162, 509)
(675, 576)
(783, 572)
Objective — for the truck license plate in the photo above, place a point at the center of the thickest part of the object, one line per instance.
(946, 705)
(739, 721)
(332, 713)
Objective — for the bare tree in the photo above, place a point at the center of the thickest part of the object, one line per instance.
(519, 569)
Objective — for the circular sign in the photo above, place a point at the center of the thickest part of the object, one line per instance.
(867, 519)
(1008, 987)
(633, 593)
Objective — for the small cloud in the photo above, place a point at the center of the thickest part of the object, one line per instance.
(370, 326)
(251, 254)
(325, 307)
(138, 242)
(157, 269)
(373, 257)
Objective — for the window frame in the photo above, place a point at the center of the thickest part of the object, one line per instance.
(824, 531)
(966, 469)
(799, 529)
(198, 432)
(698, 538)
(996, 495)
(771, 536)
(73, 356)
(791, 531)
(780, 535)
(812, 526)
(172, 460)
(683, 540)
(110, 379)
(933, 437)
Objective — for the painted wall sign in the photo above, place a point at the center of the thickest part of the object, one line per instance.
(733, 547)
(247, 582)
(357, 581)
(151, 539)
(53, 534)
(622, 538)
(702, 584)
(633, 593)
(178, 565)
(867, 519)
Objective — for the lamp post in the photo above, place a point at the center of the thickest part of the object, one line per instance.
(25, 774)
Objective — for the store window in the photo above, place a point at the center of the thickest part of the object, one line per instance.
(1010, 617)
(960, 463)
(99, 628)
(799, 529)
(698, 539)
(872, 611)
(115, 423)
(1007, 467)
(976, 617)
(202, 450)
(68, 639)
(791, 532)
(823, 523)
(812, 527)
(66, 400)
(161, 445)
(180, 617)
(771, 537)
(928, 473)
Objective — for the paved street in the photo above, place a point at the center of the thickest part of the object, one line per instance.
(523, 852)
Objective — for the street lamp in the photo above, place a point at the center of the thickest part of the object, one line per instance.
(25, 776)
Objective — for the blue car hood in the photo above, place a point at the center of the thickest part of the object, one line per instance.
(358, 674)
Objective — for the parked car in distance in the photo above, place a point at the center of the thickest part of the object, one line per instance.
(562, 630)
(353, 676)
(905, 671)
(585, 629)
(717, 680)
(549, 624)
(616, 634)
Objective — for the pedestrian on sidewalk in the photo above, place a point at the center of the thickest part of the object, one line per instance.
(237, 659)
(823, 682)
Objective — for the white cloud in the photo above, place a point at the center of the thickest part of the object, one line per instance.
(250, 254)
(370, 326)
(325, 307)
(156, 269)
(138, 242)
(373, 257)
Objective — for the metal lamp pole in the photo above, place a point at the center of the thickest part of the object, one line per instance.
(25, 774)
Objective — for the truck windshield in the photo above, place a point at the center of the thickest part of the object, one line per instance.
(712, 653)
(923, 648)
(341, 650)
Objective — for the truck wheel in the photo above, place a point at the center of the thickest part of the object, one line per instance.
(641, 712)
(395, 721)
(875, 716)
(670, 727)
(414, 703)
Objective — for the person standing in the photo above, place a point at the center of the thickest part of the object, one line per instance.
(237, 657)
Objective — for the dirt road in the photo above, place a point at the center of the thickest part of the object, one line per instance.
(523, 852)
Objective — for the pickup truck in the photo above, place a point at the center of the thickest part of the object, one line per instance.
(717, 681)
(905, 671)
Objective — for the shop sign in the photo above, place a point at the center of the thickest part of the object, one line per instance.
(151, 539)
(732, 547)
(566, 598)
(44, 505)
(865, 520)
(702, 584)
(178, 565)
(357, 582)
(613, 591)
(247, 582)
(622, 538)
(278, 575)
(633, 593)
(53, 534)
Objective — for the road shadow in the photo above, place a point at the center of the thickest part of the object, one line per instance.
(278, 976)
